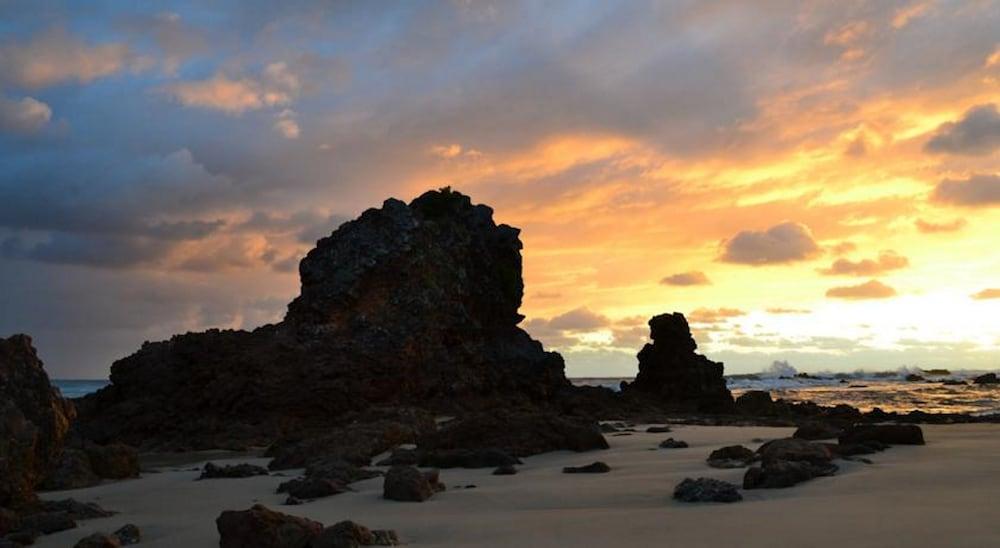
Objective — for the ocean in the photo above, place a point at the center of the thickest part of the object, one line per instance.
(889, 391)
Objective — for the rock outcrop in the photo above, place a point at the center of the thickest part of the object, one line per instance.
(410, 304)
(676, 377)
(706, 490)
(34, 419)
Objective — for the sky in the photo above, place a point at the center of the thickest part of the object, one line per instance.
(813, 182)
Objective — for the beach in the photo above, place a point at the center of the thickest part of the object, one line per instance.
(940, 494)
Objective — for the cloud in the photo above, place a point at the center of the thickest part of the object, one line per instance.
(579, 319)
(55, 56)
(287, 125)
(713, 315)
(872, 289)
(780, 310)
(887, 260)
(783, 243)
(991, 293)
(976, 133)
(687, 278)
(931, 227)
(975, 191)
(277, 85)
(27, 115)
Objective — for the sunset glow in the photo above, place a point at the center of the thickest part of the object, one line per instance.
(810, 182)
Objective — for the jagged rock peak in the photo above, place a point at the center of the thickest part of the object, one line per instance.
(672, 374)
(440, 255)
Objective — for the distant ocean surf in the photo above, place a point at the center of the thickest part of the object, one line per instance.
(889, 391)
(71, 388)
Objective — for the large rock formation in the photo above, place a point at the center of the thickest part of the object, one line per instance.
(34, 419)
(407, 305)
(676, 377)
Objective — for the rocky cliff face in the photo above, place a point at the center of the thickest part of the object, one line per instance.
(407, 305)
(673, 375)
(34, 419)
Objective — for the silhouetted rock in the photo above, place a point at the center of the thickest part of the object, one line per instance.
(243, 470)
(407, 305)
(86, 464)
(757, 403)
(988, 378)
(98, 540)
(792, 449)
(592, 468)
(466, 458)
(671, 443)
(846, 450)
(309, 488)
(407, 484)
(673, 375)
(892, 434)
(128, 534)
(46, 523)
(505, 470)
(260, 527)
(706, 490)
(818, 431)
(75, 509)
(913, 377)
(348, 534)
(732, 456)
(781, 473)
(517, 434)
(34, 419)
(658, 430)
(355, 443)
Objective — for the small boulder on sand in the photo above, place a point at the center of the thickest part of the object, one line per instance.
(408, 484)
(592, 468)
(706, 490)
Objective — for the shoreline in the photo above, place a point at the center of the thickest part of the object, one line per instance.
(939, 494)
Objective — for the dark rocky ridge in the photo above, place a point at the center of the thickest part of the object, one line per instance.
(407, 305)
(34, 419)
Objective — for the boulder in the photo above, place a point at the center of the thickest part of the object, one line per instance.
(506, 470)
(517, 434)
(34, 419)
(671, 443)
(113, 461)
(309, 488)
(339, 471)
(466, 458)
(85, 465)
(792, 449)
(988, 378)
(597, 467)
(72, 471)
(706, 490)
(408, 305)
(780, 474)
(892, 434)
(260, 527)
(128, 534)
(46, 523)
(757, 403)
(348, 534)
(98, 540)
(732, 456)
(818, 431)
(242, 470)
(407, 484)
(673, 375)
(658, 430)
(75, 509)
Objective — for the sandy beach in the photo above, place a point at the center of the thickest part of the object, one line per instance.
(941, 494)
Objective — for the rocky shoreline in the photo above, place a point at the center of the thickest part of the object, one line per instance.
(406, 315)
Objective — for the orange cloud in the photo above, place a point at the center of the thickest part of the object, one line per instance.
(887, 260)
(716, 315)
(930, 227)
(991, 293)
(56, 56)
(872, 289)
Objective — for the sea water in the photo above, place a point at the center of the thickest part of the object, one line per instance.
(76, 388)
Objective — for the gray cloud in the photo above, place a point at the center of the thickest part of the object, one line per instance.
(976, 133)
(687, 278)
(783, 243)
(975, 191)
